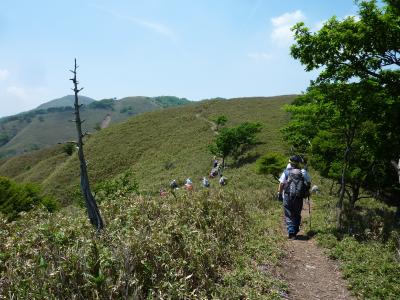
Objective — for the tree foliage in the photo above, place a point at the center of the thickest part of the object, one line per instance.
(235, 141)
(15, 198)
(220, 121)
(102, 104)
(271, 164)
(69, 148)
(349, 117)
(362, 48)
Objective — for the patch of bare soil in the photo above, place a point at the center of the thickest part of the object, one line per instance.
(106, 121)
(309, 273)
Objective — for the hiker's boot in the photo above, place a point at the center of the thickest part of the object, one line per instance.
(292, 234)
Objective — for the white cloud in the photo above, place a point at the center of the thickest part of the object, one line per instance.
(16, 98)
(260, 56)
(4, 73)
(281, 32)
(29, 94)
(17, 92)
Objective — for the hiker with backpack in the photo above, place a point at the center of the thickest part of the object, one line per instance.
(215, 162)
(173, 185)
(163, 192)
(293, 188)
(188, 185)
(214, 172)
(222, 180)
(205, 182)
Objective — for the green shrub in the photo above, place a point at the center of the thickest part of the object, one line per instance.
(69, 148)
(187, 247)
(16, 198)
(121, 185)
(271, 163)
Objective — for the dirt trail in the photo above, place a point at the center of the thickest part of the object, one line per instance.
(309, 273)
(213, 126)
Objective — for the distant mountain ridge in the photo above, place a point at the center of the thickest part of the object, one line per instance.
(65, 101)
(50, 123)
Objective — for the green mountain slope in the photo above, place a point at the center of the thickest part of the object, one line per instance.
(217, 243)
(157, 146)
(65, 101)
(44, 127)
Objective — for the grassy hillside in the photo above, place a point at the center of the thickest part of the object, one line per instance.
(222, 243)
(50, 125)
(160, 146)
(169, 240)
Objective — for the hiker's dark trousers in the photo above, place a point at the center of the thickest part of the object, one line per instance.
(292, 209)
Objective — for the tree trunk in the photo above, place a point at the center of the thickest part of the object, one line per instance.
(355, 192)
(339, 206)
(93, 211)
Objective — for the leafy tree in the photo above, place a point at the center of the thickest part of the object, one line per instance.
(220, 121)
(349, 117)
(235, 141)
(353, 48)
(271, 163)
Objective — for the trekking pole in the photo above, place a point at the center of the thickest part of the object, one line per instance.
(309, 210)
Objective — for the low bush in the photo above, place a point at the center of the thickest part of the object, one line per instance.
(123, 184)
(16, 198)
(194, 246)
(69, 148)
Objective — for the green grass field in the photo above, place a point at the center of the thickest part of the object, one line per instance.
(224, 243)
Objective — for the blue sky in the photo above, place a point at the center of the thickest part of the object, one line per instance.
(186, 48)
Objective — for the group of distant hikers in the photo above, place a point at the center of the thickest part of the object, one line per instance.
(294, 186)
(216, 171)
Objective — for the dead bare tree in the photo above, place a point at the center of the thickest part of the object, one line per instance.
(93, 211)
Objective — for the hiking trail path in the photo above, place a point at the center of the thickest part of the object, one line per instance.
(213, 126)
(310, 274)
